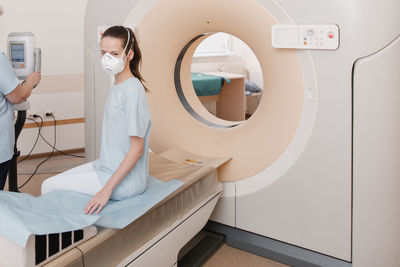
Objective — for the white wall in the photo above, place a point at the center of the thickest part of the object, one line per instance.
(214, 63)
(241, 49)
(68, 136)
(241, 54)
(58, 29)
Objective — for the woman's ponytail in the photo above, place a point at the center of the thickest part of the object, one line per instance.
(137, 58)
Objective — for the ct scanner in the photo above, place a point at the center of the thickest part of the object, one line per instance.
(314, 175)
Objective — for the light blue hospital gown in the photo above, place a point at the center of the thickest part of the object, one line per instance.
(125, 114)
(8, 82)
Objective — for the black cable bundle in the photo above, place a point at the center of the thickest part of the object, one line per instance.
(47, 142)
(51, 154)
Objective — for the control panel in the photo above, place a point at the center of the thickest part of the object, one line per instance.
(305, 36)
(23, 55)
(18, 54)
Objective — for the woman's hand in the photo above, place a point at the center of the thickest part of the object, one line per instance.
(98, 201)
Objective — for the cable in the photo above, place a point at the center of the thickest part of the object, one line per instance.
(34, 172)
(37, 167)
(55, 132)
(83, 258)
(52, 146)
(50, 170)
(29, 173)
(39, 127)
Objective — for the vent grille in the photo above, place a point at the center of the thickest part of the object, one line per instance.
(49, 245)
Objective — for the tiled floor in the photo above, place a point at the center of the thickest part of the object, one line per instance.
(53, 166)
(229, 256)
(225, 256)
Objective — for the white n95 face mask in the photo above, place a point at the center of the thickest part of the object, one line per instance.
(114, 64)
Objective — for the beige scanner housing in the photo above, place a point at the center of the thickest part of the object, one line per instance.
(316, 166)
(270, 129)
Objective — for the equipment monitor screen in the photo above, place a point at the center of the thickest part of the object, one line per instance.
(17, 53)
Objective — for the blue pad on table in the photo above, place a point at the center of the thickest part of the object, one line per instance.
(22, 215)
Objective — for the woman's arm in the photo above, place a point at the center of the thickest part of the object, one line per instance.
(133, 155)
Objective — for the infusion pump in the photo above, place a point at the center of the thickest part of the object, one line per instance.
(23, 55)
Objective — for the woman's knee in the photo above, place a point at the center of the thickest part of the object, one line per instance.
(45, 187)
(48, 185)
(81, 168)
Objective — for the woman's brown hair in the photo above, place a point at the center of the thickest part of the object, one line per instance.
(121, 32)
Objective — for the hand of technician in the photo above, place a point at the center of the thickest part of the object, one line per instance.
(98, 201)
(24, 90)
(34, 78)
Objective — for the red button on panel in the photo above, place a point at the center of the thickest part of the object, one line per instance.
(330, 35)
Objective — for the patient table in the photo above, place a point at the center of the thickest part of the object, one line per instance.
(154, 239)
